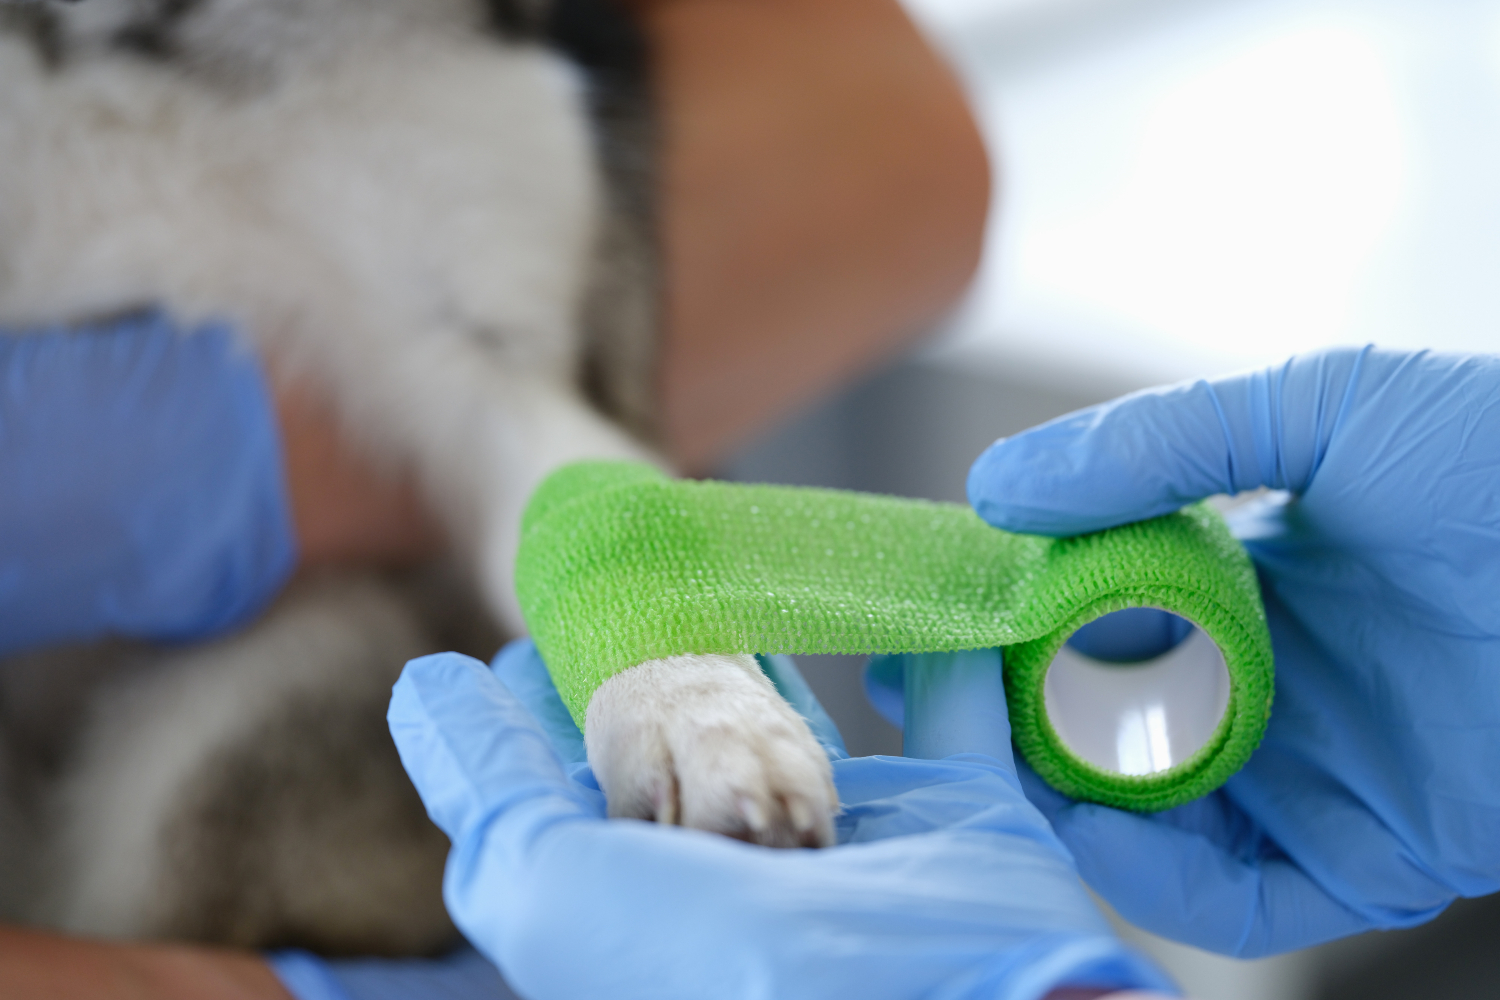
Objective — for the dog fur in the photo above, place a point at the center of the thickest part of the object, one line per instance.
(433, 212)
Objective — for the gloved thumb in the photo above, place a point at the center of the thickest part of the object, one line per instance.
(792, 686)
(473, 751)
(1154, 452)
(519, 667)
(955, 703)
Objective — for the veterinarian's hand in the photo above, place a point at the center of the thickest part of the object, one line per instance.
(151, 488)
(141, 492)
(462, 975)
(1375, 798)
(948, 882)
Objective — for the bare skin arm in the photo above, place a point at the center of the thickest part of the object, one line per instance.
(825, 192)
(345, 511)
(40, 966)
(824, 196)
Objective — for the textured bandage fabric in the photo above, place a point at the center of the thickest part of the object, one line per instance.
(619, 564)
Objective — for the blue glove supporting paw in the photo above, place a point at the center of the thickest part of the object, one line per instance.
(462, 975)
(1374, 800)
(947, 883)
(142, 490)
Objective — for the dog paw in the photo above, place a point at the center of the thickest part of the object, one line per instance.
(705, 741)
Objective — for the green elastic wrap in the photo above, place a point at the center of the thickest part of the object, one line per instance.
(620, 564)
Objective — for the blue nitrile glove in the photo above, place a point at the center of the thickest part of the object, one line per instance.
(948, 884)
(463, 975)
(141, 484)
(1374, 800)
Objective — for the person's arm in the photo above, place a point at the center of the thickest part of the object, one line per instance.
(1373, 800)
(36, 965)
(825, 190)
(346, 510)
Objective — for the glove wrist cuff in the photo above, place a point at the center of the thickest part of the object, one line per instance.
(305, 976)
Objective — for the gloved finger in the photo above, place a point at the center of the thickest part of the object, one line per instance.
(521, 669)
(1197, 891)
(1048, 800)
(1130, 635)
(792, 686)
(305, 976)
(474, 753)
(1156, 451)
(463, 974)
(885, 687)
(955, 703)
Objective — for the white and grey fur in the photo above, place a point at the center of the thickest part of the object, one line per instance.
(426, 208)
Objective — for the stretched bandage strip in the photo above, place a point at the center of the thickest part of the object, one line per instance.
(619, 564)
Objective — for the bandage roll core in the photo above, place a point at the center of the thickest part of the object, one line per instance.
(619, 564)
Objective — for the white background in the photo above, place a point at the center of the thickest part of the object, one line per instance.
(1195, 186)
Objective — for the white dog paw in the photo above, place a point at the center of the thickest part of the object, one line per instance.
(705, 741)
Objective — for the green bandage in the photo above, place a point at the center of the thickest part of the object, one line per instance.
(620, 564)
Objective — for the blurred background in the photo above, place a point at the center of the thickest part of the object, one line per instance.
(1187, 188)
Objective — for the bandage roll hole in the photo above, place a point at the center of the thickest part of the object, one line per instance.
(1137, 692)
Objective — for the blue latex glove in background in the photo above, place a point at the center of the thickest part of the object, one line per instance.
(141, 485)
(463, 975)
(1374, 800)
(947, 883)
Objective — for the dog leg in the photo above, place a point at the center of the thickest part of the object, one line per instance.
(699, 740)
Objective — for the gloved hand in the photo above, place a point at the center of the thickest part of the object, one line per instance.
(947, 883)
(463, 975)
(1374, 800)
(141, 489)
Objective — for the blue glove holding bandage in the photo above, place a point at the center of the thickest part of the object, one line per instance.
(1374, 800)
(947, 884)
(141, 489)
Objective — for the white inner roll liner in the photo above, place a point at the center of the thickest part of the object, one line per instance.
(1138, 718)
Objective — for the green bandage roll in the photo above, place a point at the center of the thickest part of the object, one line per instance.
(619, 565)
